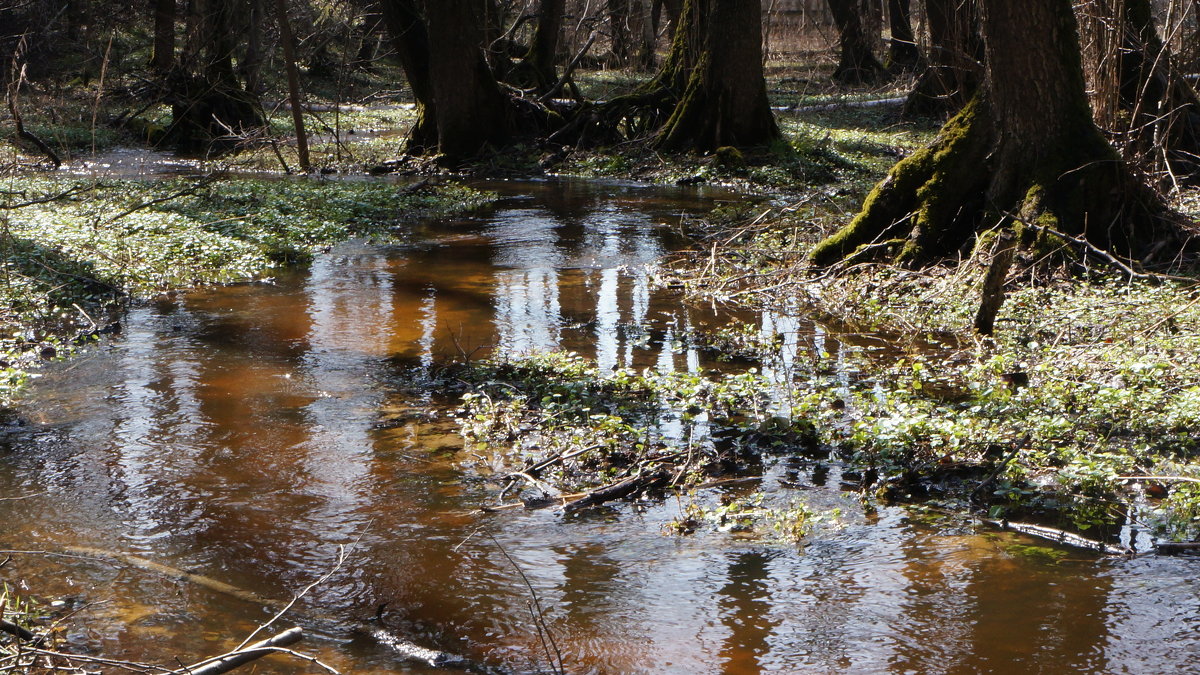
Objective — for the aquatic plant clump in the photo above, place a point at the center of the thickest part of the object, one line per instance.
(552, 424)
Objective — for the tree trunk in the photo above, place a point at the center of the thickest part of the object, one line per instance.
(471, 110)
(538, 68)
(725, 99)
(211, 112)
(251, 63)
(1023, 154)
(955, 60)
(644, 35)
(1161, 108)
(903, 54)
(670, 11)
(164, 37)
(217, 24)
(293, 79)
(411, 41)
(857, 63)
(618, 25)
(364, 56)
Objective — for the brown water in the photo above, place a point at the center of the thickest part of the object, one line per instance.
(244, 433)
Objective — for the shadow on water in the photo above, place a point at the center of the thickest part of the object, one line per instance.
(246, 432)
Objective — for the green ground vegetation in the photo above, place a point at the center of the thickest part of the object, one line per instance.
(549, 425)
(1082, 410)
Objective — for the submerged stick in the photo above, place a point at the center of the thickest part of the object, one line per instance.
(20, 632)
(1173, 547)
(609, 493)
(1058, 536)
(235, 659)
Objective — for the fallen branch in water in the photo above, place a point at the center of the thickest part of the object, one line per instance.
(1058, 536)
(20, 632)
(619, 490)
(243, 655)
(1173, 547)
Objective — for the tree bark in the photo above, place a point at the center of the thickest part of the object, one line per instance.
(857, 63)
(471, 110)
(1023, 154)
(903, 54)
(725, 99)
(955, 60)
(411, 41)
(164, 37)
(1162, 109)
(538, 68)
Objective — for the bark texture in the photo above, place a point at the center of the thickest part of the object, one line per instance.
(724, 101)
(1023, 154)
(411, 42)
(164, 36)
(856, 63)
(955, 66)
(903, 54)
(471, 109)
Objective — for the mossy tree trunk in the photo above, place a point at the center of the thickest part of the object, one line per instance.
(903, 54)
(538, 67)
(955, 66)
(724, 101)
(1024, 153)
(709, 91)
(856, 63)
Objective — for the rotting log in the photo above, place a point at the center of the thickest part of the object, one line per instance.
(240, 657)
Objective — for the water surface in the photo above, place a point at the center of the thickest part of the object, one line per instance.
(245, 433)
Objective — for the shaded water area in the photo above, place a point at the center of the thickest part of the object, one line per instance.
(244, 433)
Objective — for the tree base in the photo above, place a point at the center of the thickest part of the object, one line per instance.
(940, 91)
(210, 118)
(933, 204)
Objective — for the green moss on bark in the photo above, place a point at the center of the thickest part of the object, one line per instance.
(921, 197)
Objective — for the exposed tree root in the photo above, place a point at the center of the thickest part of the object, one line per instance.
(972, 179)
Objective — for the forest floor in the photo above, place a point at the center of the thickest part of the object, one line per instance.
(1082, 410)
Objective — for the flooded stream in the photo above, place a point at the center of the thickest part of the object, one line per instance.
(245, 433)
